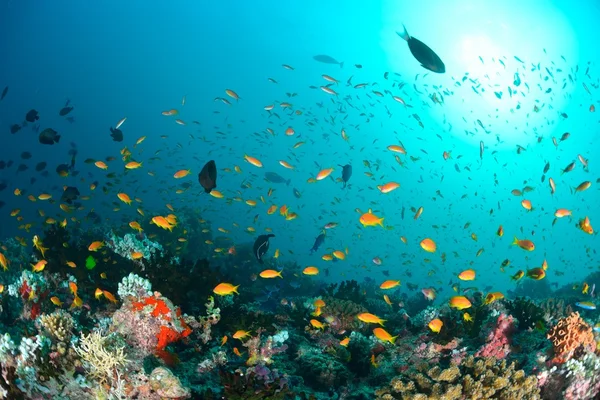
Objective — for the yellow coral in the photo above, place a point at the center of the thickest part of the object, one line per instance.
(59, 325)
(476, 378)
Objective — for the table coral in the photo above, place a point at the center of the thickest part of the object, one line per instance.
(571, 335)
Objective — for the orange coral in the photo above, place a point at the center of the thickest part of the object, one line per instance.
(569, 335)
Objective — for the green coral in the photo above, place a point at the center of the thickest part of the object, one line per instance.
(475, 378)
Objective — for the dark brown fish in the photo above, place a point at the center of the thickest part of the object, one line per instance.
(427, 57)
(208, 176)
(49, 136)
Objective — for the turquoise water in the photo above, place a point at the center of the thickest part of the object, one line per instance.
(118, 60)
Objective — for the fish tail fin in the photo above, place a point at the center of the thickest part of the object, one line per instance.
(404, 34)
(515, 241)
(380, 222)
(342, 64)
(235, 289)
(279, 274)
(57, 138)
(393, 339)
(381, 321)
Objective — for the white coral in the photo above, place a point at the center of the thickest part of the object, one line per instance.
(134, 285)
(102, 364)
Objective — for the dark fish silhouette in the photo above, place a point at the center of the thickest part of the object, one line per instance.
(116, 134)
(4, 93)
(327, 60)
(297, 193)
(261, 245)
(318, 242)
(41, 166)
(427, 57)
(274, 177)
(208, 176)
(65, 110)
(15, 128)
(70, 194)
(346, 173)
(49, 136)
(32, 116)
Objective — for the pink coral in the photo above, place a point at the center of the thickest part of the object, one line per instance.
(499, 338)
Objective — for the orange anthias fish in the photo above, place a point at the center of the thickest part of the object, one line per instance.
(467, 275)
(428, 245)
(109, 296)
(310, 271)
(240, 334)
(370, 219)
(270, 273)
(585, 225)
(389, 284)
(383, 335)
(224, 289)
(370, 318)
(524, 244)
(95, 246)
(436, 325)
(459, 302)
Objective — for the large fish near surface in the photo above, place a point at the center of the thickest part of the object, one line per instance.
(276, 178)
(346, 173)
(261, 245)
(423, 53)
(327, 60)
(208, 176)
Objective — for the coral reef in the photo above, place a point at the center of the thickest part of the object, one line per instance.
(102, 364)
(150, 324)
(571, 337)
(475, 378)
(498, 340)
(130, 244)
(526, 312)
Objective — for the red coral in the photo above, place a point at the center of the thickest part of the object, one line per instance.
(499, 339)
(165, 336)
(160, 307)
(571, 334)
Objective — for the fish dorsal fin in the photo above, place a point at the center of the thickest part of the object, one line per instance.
(370, 211)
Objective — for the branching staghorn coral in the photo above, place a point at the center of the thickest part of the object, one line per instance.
(102, 364)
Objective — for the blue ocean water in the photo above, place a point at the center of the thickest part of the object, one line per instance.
(519, 76)
(137, 59)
